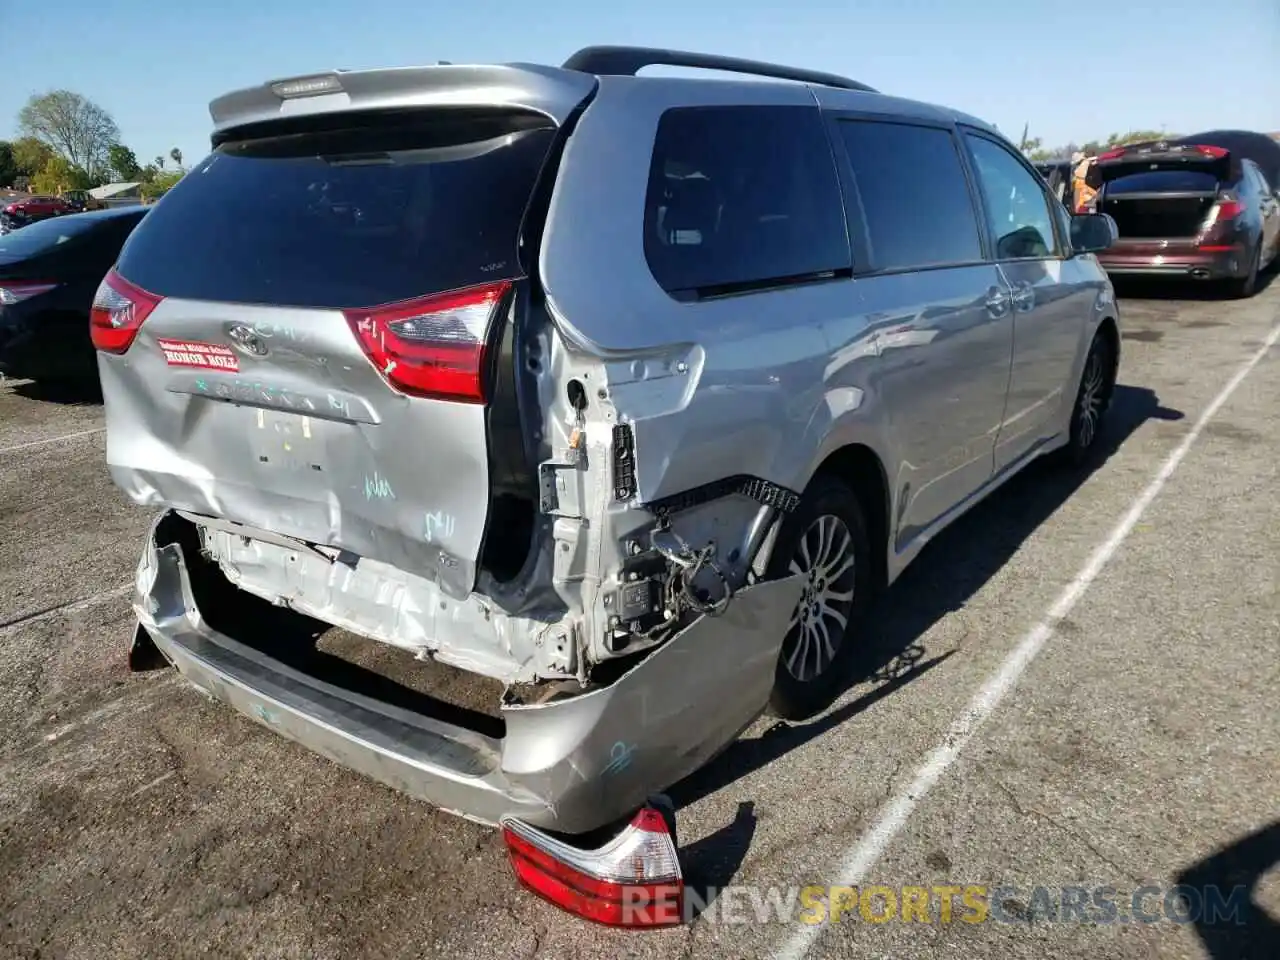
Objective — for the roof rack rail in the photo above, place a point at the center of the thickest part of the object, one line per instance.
(628, 61)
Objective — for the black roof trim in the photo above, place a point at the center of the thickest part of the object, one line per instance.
(628, 61)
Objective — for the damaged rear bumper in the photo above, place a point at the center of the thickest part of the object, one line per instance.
(570, 765)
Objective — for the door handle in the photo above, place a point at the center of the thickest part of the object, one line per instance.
(997, 301)
(1024, 296)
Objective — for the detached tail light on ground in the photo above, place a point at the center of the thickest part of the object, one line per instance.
(632, 881)
(15, 291)
(117, 313)
(432, 346)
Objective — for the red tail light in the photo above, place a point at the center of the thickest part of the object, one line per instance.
(118, 310)
(1216, 152)
(632, 881)
(433, 346)
(1112, 154)
(15, 291)
(1228, 210)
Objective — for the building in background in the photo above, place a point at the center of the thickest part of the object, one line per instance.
(118, 194)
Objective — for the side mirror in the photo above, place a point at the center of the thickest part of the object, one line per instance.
(1093, 232)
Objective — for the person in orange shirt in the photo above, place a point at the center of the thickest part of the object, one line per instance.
(1082, 193)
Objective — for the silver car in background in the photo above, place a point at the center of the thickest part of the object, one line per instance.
(627, 392)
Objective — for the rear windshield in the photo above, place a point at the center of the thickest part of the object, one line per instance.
(1164, 181)
(346, 217)
(43, 235)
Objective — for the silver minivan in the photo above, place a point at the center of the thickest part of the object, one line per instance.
(626, 392)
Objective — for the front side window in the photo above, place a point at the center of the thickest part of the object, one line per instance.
(913, 193)
(1016, 206)
(740, 198)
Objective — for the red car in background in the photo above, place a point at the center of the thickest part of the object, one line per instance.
(19, 213)
(1190, 209)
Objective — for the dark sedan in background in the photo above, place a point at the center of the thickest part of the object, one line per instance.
(1198, 209)
(49, 273)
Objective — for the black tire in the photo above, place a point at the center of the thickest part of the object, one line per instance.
(813, 664)
(1093, 400)
(1242, 288)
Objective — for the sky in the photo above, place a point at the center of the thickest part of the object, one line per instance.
(1073, 71)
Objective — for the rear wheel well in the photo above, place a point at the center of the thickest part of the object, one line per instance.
(858, 466)
(1107, 328)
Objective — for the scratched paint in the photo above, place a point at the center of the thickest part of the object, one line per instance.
(438, 524)
(258, 392)
(619, 758)
(284, 331)
(377, 487)
(265, 715)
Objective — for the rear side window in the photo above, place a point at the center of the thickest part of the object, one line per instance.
(374, 211)
(1164, 181)
(742, 197)
(913, 193)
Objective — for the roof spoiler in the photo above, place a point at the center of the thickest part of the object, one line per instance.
(1163, 151)
(551, 91)
(1162, 155)
(628, 61)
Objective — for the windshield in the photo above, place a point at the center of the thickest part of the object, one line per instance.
(370, 213)
(42, 236)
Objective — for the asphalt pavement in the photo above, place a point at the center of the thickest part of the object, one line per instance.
(1070, 700)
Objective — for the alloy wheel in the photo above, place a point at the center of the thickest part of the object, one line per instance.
(825, 557)
(1092, 397)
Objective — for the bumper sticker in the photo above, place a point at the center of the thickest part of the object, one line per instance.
(193, 353)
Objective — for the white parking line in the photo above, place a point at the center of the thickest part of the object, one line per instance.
(41, 443)
(864, 854)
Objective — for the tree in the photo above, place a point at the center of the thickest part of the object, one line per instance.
(30, 155)
(158, 186)
(148, 173)
(159, 162)
(123, 162)
(8, 166)
(59, 176)
(1137, 136)
(176, 154)
(73, 126)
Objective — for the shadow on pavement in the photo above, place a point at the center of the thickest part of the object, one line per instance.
(67, 392)
(710, 864)
(940, 581)
(1243, 930)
